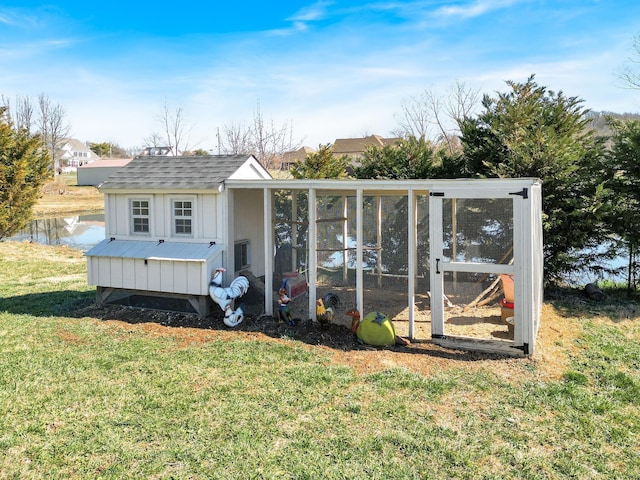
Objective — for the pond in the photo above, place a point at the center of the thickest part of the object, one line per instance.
(85, 231)
(76, 231)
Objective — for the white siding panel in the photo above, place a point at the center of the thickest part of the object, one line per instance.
(141, 275)
(196, 272)
(160, 206)
(116, 272)
(166, 277)
(180, 279)
(121, 210)
(128, 273)
(153, 275)
(104, 272)
(112, 215)
(92, 271)
(210, 216)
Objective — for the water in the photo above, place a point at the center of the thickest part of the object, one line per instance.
(76, 231)
(85, 231)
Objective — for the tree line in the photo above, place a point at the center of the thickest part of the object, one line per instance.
(591, 194)
(590, 175)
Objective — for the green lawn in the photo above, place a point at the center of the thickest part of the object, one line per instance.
(83, 398)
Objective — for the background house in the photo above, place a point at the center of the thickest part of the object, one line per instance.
(74, 153)
(354, 148)
(289, 159)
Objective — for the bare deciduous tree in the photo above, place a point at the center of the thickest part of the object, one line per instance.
(443, 112)
(52, 127)
(22, 113)
(176, 132)
(266, 141)
(235, 139)
(154, 140)
(630, 74)
(415, 119)
(269, 141)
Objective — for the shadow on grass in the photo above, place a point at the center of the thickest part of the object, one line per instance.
(47, 304)
(573, 302)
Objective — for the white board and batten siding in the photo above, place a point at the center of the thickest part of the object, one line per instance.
(184, 268)
(208, 215)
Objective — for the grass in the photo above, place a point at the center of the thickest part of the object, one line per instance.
(62, 196)
(84, 398)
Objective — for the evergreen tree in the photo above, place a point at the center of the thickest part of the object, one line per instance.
(321, 164)
(625, 182)
(411, 158)
(533, 132)
(24, 167)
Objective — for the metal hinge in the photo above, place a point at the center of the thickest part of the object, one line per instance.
(436, 194)
(524, 193)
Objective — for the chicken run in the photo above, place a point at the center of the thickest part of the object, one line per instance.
(477, 232)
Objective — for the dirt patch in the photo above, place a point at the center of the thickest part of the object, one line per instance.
(555, 342)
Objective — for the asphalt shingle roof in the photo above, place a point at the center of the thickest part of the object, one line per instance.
(163, 172)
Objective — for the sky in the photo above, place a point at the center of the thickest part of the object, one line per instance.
(324, 69)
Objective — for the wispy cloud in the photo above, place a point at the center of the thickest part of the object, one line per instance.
(473, 9)
(315, 12)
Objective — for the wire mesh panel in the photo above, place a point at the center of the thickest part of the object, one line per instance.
(386, 256)
(476, 232)
(290, 240)
(335, 255)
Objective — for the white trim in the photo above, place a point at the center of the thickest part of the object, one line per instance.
(192, 218)
(132, 216)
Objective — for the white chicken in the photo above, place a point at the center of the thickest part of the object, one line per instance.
(226, 296)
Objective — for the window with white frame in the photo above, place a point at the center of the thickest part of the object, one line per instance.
(183, 218)
(140, 216)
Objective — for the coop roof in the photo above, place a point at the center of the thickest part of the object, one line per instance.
(183, 173)
(151, 250)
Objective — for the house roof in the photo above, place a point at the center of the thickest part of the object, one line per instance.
(75, 144)
(184, 173)
(297, 155)
(107, 162)
(357, 146)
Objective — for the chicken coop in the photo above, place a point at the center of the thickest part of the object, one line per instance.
(455, 262)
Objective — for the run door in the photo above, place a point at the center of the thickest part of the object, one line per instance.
(477, 275)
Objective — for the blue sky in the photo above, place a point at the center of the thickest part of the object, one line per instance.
(330, 69)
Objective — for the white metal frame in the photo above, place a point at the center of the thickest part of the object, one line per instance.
(527, 266)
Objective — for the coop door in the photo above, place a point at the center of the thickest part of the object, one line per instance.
(473, 260)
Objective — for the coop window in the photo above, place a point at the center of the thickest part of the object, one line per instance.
(241, 255)
(140, 216)
(183, 217)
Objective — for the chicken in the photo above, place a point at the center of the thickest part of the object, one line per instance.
(324, 315)
(225, 296)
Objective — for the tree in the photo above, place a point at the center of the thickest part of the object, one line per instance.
(176, 133)
(266, 141)
(108, 150)
(625, 163)
(321, 164)
(22, 113)
(530, 131)
(411, 158)
(236, 139)
(24, 167)
(421, 113)
(52, 126)
(631, 74)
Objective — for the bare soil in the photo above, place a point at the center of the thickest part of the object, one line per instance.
(554, 345)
